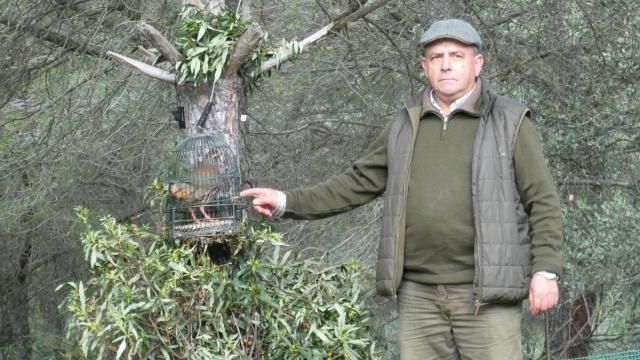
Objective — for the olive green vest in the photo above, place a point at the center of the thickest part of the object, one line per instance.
(502, 238)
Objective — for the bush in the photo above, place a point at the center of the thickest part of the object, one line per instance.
(152, 297)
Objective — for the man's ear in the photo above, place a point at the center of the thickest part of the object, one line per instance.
(423, 65)
(479, 61)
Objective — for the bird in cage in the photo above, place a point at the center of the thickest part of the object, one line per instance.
(202, 190)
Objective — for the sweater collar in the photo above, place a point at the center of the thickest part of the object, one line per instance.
(471, 102)
(456, 104)
(479, 104)
(482, 105)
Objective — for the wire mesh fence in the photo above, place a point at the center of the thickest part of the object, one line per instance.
(626, 355)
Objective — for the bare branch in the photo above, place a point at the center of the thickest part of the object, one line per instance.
(631, 184)
(594, 31)
(160, 42)
(519, 67)
(64, 41)
(146, 69)
(244, 46)
(288, 54)
(134, 215)
(506, 19)
(360, 13)
(41, 262)
(410, 74)
(149, 57)
(245, 8)
(324, 11)
(211, 6)
(313, 38)
(311, 123)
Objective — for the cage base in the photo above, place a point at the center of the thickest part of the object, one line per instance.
(208, 228)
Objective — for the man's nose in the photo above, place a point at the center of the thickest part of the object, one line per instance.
(446, 63)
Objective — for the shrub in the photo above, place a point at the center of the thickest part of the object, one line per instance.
(152, 297)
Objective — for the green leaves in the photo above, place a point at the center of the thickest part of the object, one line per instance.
(149, 297)
(601, 258)
(285, 48)
(206, 41)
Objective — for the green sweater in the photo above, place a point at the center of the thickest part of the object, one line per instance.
(439, 231)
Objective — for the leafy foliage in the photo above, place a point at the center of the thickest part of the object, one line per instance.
(601, 235)
(206, 41)
(150, 297)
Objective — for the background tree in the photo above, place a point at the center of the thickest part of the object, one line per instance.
(69, 134)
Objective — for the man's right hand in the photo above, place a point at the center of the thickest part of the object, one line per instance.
(264, 201)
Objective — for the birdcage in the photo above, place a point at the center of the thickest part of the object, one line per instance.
(204, 186)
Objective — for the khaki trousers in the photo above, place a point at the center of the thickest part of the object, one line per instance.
(439, 322)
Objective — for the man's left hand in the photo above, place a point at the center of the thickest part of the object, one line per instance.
(543, 295)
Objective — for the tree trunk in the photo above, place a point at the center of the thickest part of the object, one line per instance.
(224, 116)
(14, 297)
(225, 97)
(14, 315)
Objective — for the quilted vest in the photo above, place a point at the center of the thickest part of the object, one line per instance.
(502, 236)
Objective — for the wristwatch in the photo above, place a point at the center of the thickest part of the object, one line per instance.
(548, 275)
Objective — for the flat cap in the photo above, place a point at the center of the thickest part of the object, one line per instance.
(451, 29)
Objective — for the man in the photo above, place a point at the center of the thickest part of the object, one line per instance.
(471, 219)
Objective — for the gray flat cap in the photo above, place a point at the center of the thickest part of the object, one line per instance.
(451, 29)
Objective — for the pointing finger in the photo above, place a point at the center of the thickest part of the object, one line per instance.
(254, 192)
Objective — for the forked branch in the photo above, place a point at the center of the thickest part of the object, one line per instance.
(144, 68)
(244, 47)
(160, 42)
(287, 54)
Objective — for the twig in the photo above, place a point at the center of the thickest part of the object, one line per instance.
(285, 132)
(244, 349)
(316, 36)
(630, 184)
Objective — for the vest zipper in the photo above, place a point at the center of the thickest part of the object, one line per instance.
(443, 131)
(477, 246)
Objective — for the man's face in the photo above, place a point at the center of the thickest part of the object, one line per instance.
(451, 68)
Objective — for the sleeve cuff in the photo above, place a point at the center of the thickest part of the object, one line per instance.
(281, 205)
(547, 275)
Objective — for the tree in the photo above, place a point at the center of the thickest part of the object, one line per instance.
(69, 136)
(46, 142)
(226, 88)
